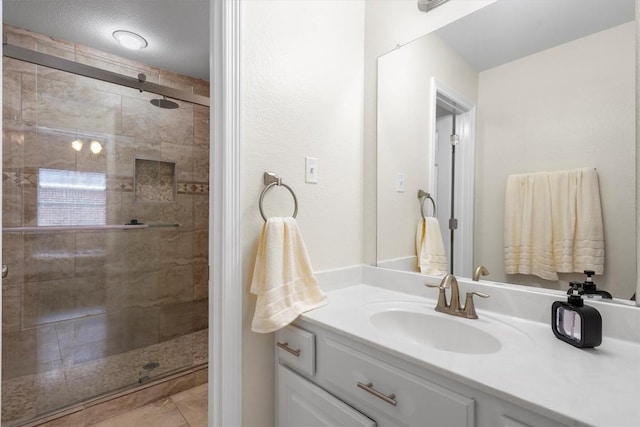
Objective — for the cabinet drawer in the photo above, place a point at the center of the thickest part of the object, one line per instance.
(296, 349)
(373, 386)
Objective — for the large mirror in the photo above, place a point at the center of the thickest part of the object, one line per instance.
(527, 87)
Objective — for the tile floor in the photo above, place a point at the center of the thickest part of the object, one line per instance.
(185, 409)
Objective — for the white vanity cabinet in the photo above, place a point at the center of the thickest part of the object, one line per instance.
(352, 384)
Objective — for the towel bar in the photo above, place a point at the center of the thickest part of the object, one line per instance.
(271, 180)
(423, 195)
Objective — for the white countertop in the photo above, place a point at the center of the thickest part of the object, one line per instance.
(595, 387)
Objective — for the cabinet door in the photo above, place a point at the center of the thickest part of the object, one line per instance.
(304, 404)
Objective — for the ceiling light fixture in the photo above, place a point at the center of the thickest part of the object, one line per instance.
(130, 40)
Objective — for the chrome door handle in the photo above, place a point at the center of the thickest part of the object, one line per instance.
(285, 347)
(390, 399)
(5, 270)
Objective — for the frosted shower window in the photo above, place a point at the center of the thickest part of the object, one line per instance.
(71, 198)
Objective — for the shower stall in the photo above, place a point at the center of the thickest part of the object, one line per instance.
(105, 229)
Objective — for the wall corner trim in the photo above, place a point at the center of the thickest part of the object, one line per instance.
(225, 278)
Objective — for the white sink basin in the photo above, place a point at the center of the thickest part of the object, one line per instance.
(421, 324)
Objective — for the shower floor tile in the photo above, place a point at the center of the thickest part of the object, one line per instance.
(29, 396)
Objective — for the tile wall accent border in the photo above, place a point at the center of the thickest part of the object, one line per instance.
(120, 183)
(20, 178)
(194, 188)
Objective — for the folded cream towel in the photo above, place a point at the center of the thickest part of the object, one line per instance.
(528, 245)
(432, 258)
(283, 278)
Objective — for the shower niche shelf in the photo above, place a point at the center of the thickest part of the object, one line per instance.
(154, 181)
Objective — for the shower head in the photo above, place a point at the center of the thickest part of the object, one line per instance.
(164, 103)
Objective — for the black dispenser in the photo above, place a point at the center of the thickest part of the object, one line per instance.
(589, 289)
(575, 323)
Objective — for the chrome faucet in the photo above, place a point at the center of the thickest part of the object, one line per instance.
(452, 307)
(481, 269)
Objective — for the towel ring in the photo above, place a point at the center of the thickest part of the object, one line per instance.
(271, 180)
(423, 195)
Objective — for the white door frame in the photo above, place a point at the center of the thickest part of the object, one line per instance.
(465, 172)
(225, 249)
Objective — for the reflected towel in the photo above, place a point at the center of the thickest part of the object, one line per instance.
(283, 278)
(578, 231)
(432, 258)
(528, 245)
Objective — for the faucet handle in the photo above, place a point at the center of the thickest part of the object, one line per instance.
(469, 306)
(441, 305)
(480, 294)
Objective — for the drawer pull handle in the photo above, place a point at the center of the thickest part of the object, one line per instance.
(285, 347)
(391, 399)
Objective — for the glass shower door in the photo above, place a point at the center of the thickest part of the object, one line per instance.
(105, 216)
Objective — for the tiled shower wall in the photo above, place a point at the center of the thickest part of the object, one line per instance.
(73, 297)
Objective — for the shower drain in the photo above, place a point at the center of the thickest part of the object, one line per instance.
(146, 367)
(150, 365)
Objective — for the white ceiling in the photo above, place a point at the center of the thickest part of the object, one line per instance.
(177, 30)
(510, 29)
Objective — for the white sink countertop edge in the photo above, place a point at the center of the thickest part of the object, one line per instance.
(595, 387)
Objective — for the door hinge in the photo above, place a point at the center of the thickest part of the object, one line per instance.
(453, 224)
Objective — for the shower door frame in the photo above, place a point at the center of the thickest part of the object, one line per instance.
(39, 58)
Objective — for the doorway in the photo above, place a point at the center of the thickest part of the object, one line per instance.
(452, 169)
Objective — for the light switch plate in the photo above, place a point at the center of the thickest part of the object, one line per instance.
(311, 170)
(400, 182)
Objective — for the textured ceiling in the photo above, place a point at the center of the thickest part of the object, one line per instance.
(510, 29)
(177, 30)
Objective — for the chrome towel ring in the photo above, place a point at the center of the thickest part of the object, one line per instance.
(271, 180)
(423, 195)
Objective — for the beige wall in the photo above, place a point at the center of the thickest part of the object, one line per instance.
(582, 94)
(301, 80)
(405, 133)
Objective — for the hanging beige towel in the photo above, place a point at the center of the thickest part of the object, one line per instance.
(527, 226)
(283, 278)
(432, 258)
(578, 231)
(562, 190)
